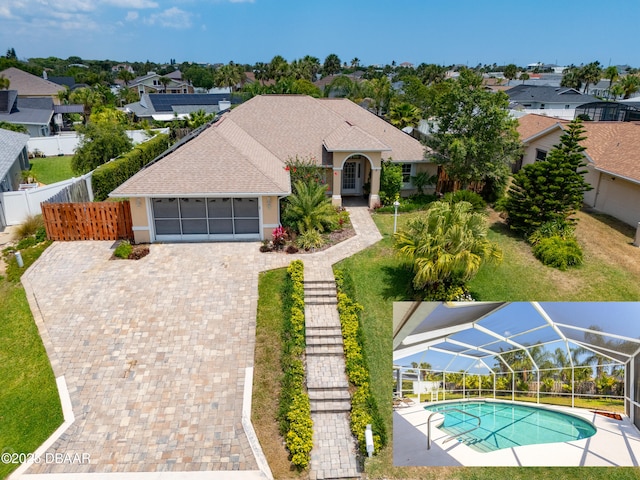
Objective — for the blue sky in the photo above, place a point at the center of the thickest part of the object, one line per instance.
(375, 31)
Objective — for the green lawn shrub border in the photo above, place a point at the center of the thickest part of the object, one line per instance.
(109, 176)
(364, 409)
(294, 413)
(558, 252)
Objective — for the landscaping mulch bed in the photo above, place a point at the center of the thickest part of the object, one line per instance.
(332, 239)
(138, 252)
(615, 416)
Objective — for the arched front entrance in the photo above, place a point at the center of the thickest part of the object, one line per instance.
(355, 175)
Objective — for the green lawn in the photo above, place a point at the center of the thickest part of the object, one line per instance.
(380, 280)
(51, 169)
(29, 404)
(267, 373)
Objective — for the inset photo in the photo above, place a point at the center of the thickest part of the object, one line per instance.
(516, 384)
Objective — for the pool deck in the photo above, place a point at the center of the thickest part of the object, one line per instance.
(616, 443)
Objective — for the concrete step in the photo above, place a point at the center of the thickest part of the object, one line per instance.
(323, 339)
(327, 350)
(330, 406)
(323, 331)
(327, 301)
(336, 393)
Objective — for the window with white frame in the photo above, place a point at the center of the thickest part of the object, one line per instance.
(408, 170)
(540, 155)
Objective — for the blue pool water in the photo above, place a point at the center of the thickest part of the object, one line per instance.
(505, 425)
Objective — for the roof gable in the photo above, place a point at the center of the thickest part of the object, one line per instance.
(30, 85)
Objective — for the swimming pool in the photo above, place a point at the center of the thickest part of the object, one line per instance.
(506, 425)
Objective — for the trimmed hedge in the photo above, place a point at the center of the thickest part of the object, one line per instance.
(294, 413)
(111, 175)
(364, 409)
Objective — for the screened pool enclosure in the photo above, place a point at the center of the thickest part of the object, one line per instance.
(572, 354)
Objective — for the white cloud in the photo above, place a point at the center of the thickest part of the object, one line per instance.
(172, 18)
(5, 12)
(132, 3)
(69, 5)
(131, 16)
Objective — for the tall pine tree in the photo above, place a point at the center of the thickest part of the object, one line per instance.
(552, 189)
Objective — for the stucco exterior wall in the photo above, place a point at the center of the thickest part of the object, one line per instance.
(140, 220)
(619, 198)
(270, 216)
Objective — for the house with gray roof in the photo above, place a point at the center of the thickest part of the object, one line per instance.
(34, 113)
(169, 106)
(560, 102)
(13, 159)
(226, 182)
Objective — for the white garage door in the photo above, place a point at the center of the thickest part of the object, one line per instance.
(198, 219)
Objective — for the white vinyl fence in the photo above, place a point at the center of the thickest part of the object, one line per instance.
(66, 143)
(19, 205)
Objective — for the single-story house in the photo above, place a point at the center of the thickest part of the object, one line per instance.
(35, 114)
(13, 159)
(32, 86)
(226, 182)
(558, 102)
(613, 161)
(166, 107)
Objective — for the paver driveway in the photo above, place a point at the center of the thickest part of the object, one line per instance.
(153, 351)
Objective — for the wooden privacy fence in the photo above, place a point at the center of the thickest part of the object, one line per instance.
(87, 221)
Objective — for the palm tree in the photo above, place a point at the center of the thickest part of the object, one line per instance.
(344, 87)
(89, 97)
(591, 74)
(380, 91)
(229, 75)
(404, 115)
(611, 72)
(331, 65)
(446, 246)
(524, 76)
(278, 68)
(572, 78)
(510, 72)
(309, 208)
(261, 72)
(126, 76)
(355, 62)
(630, 85)
(164, 81)
(199, 118)
(616, 91)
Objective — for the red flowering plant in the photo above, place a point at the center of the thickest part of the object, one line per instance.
(279, 238)
(306, 169)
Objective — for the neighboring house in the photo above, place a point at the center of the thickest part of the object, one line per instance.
(558, 102)
(32, 86)
(609, 112)
(150, 83)
(35, 114)
(613, 161)
(169, 106)
(13, 159)
(122, 66)
(226, 182)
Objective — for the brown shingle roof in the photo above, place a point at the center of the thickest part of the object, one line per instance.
(222, 159)
(533, 124)
(614, 147)
(29, 85)
(246, 151)
(347, 138)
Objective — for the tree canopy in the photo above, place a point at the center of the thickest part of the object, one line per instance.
(473, 137)
(103, 138)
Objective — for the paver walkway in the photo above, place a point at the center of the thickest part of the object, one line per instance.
(155, 351)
